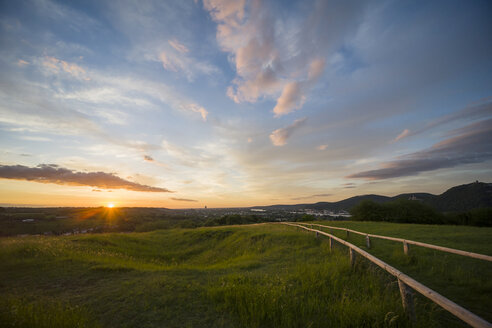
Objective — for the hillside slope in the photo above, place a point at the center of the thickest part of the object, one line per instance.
(456, 199)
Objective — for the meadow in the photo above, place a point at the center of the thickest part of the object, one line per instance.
(464, 280)
(263, 275)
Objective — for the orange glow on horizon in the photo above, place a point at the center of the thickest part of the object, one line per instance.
(110, 205)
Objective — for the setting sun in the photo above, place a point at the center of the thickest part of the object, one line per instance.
(110, 205)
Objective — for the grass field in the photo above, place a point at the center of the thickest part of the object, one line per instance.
(243, 276)
(464, 280)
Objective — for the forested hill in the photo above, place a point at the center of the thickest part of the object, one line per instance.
(456, 199)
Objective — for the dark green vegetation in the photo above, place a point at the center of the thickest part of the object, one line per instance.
(56, 221)
(411, 211)
(464, 280)
(461, 198)
(245, 276)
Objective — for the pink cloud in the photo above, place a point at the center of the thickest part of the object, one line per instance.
(56, 65)
(178, 46)
(21, 63)
(266, 63)
(402, 135)
(279, 137)
(292, 98)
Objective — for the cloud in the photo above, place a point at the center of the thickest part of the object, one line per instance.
(276, 56)
(472, 144)
(72, 108)
(21, 63)
(177, 59)
(197, 109)
(50, 173)
(56, 65)
(150, 159)
(349, 185)
(481, 109)
(322, 147)
(35, 138)
(184, 200)
(401, 135)
(312, 196)
(291, 99)
(279, 137)
(178, 46)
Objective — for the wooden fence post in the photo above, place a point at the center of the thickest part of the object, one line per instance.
(368, 241)
(352, 257)
(406, 248)
(347, 234)
(330, 243)
(316, 234)
(407, 299)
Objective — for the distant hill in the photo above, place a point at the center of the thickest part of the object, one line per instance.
(456, 199)
(464, 198)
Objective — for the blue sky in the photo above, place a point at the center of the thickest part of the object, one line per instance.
(233, 103)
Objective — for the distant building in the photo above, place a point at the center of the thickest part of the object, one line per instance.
(414, 198)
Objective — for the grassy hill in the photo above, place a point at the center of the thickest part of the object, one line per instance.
(262, 275)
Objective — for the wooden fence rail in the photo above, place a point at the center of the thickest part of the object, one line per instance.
(405, 282)
(408, 242)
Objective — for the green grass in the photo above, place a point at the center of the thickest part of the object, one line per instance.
(464, 280)
(245, 276)
(20, 313)
(473, 239)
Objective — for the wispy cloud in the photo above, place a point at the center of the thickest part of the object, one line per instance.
(73, 108)
(50, 173)
(279, 137)
(178, 46)
(402, 135)
(312, 196)
(21, 63)
(477, 110)
(349, 185)
(34, 138)
(184, 200)
(473, 144)
(57, 65)
(177, 58)
(322, 147)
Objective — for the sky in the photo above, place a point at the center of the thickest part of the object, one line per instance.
(219, 103)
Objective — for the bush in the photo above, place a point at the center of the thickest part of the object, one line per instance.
(409, 211)
(401, 211)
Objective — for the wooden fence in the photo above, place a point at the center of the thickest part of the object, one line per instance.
(407, 242)
(405, 283)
